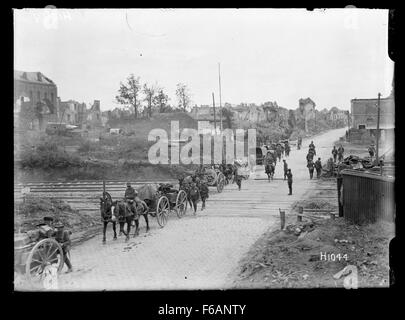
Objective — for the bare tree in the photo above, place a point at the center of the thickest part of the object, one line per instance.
(128, 93)
(183, 96)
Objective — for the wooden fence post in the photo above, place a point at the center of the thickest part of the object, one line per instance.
(282, 218)
(300, 212)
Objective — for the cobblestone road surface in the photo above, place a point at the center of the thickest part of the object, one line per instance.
(195, 252)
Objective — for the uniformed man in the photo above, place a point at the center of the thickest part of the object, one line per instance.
(63, 237)
(279, 151)
(371, 151)
(289, 181)
(222, 167)
(287, 149)
(341, 150)
(238, 178)
(312, 147)
(310, 166)
(334, 153)
(310, 156)
(285, 168)
(129, 196)
(48, 221)
(204, 192)
(318, 167)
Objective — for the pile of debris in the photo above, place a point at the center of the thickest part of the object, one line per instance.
(354, 162)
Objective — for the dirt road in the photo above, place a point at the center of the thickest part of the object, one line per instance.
(195, 252)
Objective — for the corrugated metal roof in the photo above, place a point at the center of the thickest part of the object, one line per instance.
(363, 174)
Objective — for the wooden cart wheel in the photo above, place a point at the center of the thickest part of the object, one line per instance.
(220, 182)
(181, 203)
(162, 211)
(45, 252)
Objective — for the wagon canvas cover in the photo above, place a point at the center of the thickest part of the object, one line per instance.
(147, 191)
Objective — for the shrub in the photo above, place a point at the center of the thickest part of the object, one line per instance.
(48, 156)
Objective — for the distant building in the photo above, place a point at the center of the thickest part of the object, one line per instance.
(364, 116)
(94, 115)
(364, 113)
(35, 100)
(72, 112)
(307, 109)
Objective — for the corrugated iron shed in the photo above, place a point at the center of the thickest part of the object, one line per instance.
(368, 197)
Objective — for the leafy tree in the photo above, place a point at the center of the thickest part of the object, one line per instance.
(128, 93)
(183, 96)
(160, 100)
(150, 92)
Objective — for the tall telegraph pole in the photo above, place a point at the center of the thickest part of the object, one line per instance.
(378, 127)
(220, 100)
(215, 119)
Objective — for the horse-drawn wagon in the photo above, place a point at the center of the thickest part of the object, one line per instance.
(36, 250)
(162, 200)
(214, 178)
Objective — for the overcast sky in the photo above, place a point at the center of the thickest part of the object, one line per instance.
(278, 55)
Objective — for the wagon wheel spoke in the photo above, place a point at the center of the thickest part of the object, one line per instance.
(54, 259)
(40, 253)
(56, 250)
(35, 268)
(36, 260)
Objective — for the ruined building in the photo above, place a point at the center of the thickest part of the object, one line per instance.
(35, 100)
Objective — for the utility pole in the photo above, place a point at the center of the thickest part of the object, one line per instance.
(215, 119)
(220, 99)
(378, 128)
(348, 126)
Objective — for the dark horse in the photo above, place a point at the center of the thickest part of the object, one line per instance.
(189, 185)
(127, 214)
(107, 216)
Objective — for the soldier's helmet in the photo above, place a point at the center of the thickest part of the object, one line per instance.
(48, 219)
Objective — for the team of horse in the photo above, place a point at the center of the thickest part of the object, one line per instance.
(121, 212)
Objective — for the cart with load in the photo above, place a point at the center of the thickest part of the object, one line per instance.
(36, 250)
(214, 178)
(162, 200)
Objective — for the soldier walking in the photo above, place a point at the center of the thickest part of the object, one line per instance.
(238, 178)
(341, 150)
(334, 153)
(310, 166)
(204, 191)
(287, 149)
(63, 237)
(371, 151)
(289, 181)
(285, 168)
(318, 167)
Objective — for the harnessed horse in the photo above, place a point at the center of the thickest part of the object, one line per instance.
(107, 215)
(125, 215)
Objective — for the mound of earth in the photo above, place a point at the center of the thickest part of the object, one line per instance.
(286, 259)
(31, 212)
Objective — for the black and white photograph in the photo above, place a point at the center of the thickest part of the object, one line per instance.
(203, 149)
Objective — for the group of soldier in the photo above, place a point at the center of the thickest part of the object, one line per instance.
(270, 162)
(338, 153)
(311, 165)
